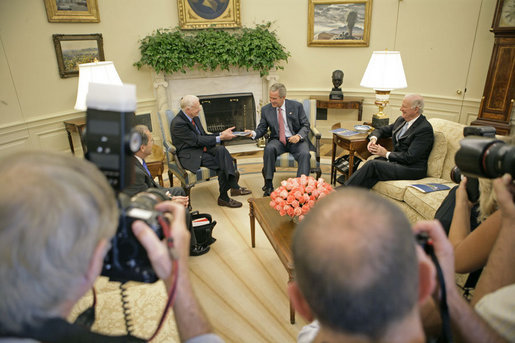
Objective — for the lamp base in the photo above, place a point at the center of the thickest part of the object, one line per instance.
(378, 122)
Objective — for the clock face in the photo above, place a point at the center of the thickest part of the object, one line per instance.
(507, 18)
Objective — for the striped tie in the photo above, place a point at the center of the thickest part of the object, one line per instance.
(280, 119)
(402, 131)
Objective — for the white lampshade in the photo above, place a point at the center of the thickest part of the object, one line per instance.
(97, 72)
(384, 71)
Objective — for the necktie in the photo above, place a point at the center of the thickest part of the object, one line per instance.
(146, 168)
(196, 128)
(280, 119)
(402, 131)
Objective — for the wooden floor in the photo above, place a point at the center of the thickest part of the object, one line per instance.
(242, 289)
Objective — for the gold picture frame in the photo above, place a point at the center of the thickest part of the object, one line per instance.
(72, 50)
(60, 11)
(202, 14)
(339, 22)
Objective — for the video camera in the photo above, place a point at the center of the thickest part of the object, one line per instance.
(481, 156)
(110, 143)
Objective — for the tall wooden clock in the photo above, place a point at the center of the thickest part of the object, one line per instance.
(497, 103)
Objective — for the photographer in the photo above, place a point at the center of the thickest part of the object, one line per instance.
(496, 287)
(471, 248)
(56, 222)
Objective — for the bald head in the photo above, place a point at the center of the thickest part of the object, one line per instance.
(353, 253)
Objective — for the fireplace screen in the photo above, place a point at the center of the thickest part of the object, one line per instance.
(223, 111)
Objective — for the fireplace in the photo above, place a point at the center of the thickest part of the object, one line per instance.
(222, 111)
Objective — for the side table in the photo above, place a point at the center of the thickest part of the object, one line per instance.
(352, 143)
(279, 231)
(348, 102)
(75, 125)
(156, 168)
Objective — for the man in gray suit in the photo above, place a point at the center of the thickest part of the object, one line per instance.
(289, 129)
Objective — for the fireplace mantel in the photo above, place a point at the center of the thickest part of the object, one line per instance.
(171, 87)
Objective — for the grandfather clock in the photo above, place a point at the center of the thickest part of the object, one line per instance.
(497, 103)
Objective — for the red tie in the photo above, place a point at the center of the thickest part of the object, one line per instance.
(280, 119)
(196, 128)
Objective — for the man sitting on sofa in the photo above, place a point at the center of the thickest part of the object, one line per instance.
(412, 137)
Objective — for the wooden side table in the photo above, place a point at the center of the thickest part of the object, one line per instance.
(279, 231)
(348, 102)
(353, 143)
(75, 125)
(155, 163)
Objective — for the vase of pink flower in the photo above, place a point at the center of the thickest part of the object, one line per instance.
(296, 196)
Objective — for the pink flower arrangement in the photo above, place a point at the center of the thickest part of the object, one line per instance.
(296, 196)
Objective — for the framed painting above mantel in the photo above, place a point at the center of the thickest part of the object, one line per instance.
(339, 22)
(72, 11)
(203, 14)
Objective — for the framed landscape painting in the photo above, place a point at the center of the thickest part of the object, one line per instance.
(203, 14)
(339, 22)
(72, 11)
(72, 50)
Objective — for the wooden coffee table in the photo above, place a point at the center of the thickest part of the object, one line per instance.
(278, 230)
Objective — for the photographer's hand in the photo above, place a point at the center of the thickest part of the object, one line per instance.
(465, 322)
(189, 316)
(460, 225)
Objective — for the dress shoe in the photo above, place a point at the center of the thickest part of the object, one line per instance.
(267, 192)
(198, 250)
(240, 191)
(231, 203)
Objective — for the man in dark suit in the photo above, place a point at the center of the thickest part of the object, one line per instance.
(289, 128)
(196, 148)
(412, 137)
(143, 180)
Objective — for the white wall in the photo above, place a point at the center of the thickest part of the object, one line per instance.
(440, 41)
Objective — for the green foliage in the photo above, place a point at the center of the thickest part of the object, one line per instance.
(175, 50)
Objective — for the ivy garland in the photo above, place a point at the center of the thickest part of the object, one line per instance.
(173, 50)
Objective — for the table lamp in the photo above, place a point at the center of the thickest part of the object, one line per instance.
(96, 72)
(384, 73)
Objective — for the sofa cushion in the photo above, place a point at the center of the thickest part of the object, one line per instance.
(426, 204)
(437, 155)
(394, 189)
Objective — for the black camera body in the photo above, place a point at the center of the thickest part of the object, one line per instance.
(475, 159)
(110, 143)
(127, 260)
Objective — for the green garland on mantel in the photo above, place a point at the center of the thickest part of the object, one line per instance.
(173, 50)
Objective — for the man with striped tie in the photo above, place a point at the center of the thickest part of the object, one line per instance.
(412, 137)
(143, 180)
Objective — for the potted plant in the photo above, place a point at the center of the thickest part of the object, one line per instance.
(174, 50)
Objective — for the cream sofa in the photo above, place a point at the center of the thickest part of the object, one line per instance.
(415, 204)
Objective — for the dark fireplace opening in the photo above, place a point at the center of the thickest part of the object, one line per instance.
(223, 111)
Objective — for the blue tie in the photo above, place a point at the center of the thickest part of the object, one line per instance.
(402, 131)
(146, 168)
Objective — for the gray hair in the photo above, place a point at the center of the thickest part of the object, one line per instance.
(416, 101)
(188, 101)
(353, 252)
(54, 210)
(142, 130)
(279, 87)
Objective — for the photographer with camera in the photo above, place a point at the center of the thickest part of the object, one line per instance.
(494, 298)
(56, 222)
(142, 177)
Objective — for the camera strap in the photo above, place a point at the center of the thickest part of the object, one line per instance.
(444, 308)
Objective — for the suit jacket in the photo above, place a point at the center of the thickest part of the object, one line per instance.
(295, 116)
(142, 181)
(189, 142)
(414, 147)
